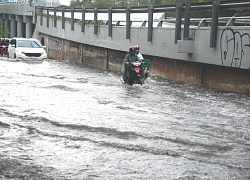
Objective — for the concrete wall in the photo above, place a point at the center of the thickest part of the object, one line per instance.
(232, 50)
(224, 78)
(17, 9)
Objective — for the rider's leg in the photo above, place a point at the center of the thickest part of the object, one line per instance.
(142, 71)
(127, 70)
(123, 70)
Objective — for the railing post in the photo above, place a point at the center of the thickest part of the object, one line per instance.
(187, 20)
(47, 17)
(128, 23)
(72, 19)
(214, 23)
(63, 18)
(150, 23)
(95, 20)
(83, 20)
(30, 3)
(110, 26)
(55, 18)
(35, 14)
(178, 23)
(41, 16)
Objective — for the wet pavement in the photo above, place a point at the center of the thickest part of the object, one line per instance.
(64, 121)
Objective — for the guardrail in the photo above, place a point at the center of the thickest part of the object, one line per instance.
(214, 21)
(17, 2)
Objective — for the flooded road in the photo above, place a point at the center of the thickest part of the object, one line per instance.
(63, 121)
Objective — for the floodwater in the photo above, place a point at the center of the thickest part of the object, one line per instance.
(60, 120)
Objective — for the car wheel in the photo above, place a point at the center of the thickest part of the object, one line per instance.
(15, 56)
(8, 56)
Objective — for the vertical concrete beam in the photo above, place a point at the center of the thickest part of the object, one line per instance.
(63, 18)
(110, 26)
(20, 28)
(95, 20)
(7, 26)
(128, 23)
(47, 18)
(3, 25)
(83, 20)
(29, 32)
(178, 23)
(214, 23)
(13, 27)
(187, 20)
(55, 17)
(1, 21)
(41, 16)
(35, 14)
(19, 24)
(72, 19)
(150, 23)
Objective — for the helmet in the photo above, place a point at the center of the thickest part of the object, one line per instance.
(137, 47)
(131, 48)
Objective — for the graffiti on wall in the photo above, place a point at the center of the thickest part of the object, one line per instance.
(235, 48)
(55, 44)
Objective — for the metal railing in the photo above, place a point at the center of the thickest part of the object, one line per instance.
(214, 21)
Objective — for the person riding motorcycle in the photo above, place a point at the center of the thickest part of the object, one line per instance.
(146, 62)
(137, 52)
(131, 57)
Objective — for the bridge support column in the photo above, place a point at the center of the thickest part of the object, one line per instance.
(1, 20)
(13, 27)
(29, 30)
(20, 29)
(6, 25)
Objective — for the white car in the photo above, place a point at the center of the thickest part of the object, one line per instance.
(26, 49)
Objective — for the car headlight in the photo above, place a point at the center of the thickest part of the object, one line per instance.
(19, 52)
(44, 53)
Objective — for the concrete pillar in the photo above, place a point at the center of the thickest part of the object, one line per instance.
(110, 26)
(29, 30)
(13, 29)
(150, 22)
(3, 24)
(72, 19)
(20, 29)
(128, 22)
(95, 20)
(7, 28)
(178, 23)
(214, 23)
(83, 20)
(187, 20)
(1, 20)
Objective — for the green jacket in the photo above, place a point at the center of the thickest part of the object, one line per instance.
(131, 58)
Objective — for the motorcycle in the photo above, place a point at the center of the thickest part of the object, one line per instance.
(4, 43)
(134, 73)
(3, 50)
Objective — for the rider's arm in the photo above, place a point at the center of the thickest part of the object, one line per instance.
(126, 59)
